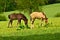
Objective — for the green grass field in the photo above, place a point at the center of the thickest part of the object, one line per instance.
(48, 32)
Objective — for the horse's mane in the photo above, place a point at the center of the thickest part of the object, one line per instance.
(44, 14)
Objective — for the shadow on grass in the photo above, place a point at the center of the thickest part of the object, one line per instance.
(22, 27)
(55, 36)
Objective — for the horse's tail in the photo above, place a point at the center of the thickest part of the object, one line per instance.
(9, 16)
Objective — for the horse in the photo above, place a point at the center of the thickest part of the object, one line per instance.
(38, 15)
(19, 17)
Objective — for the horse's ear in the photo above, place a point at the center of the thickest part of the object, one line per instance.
(46, 18)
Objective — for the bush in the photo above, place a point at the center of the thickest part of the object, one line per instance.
(57, 15)
(2, 18)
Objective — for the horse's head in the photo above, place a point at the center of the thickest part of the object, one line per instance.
(25, 20)
(46, 20)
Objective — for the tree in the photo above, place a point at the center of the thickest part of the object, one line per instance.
(51, 1)
(28, 5)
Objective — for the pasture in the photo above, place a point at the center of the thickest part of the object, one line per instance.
(50, 31)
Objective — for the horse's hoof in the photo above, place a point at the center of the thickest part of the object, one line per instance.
(32, 27)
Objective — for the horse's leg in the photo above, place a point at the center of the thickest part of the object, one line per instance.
(32, 20)
(32, 23)
(9, 23)
(41, 21)
(26, 23)
(19, 22)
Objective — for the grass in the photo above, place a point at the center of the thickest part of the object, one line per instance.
(50, 31)
(55, 36)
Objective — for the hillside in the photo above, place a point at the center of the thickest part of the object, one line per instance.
(51, 9)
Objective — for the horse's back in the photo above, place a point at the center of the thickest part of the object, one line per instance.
(37, 14)
(20, 15)
(12, 16)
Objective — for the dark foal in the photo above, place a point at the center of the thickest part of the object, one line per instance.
(18, 17)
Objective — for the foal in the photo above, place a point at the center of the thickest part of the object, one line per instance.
(38, 15)
(18, 17)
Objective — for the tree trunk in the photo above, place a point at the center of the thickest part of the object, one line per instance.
(5, 7)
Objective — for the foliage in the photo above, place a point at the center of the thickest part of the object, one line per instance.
(9, 5)
(2, 18)
(25, 5)
(57, 1)
(57, 15)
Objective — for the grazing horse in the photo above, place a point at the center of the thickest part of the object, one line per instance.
(19, 17)
(38, 15)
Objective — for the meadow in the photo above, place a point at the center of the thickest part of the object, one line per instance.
(46, 32)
